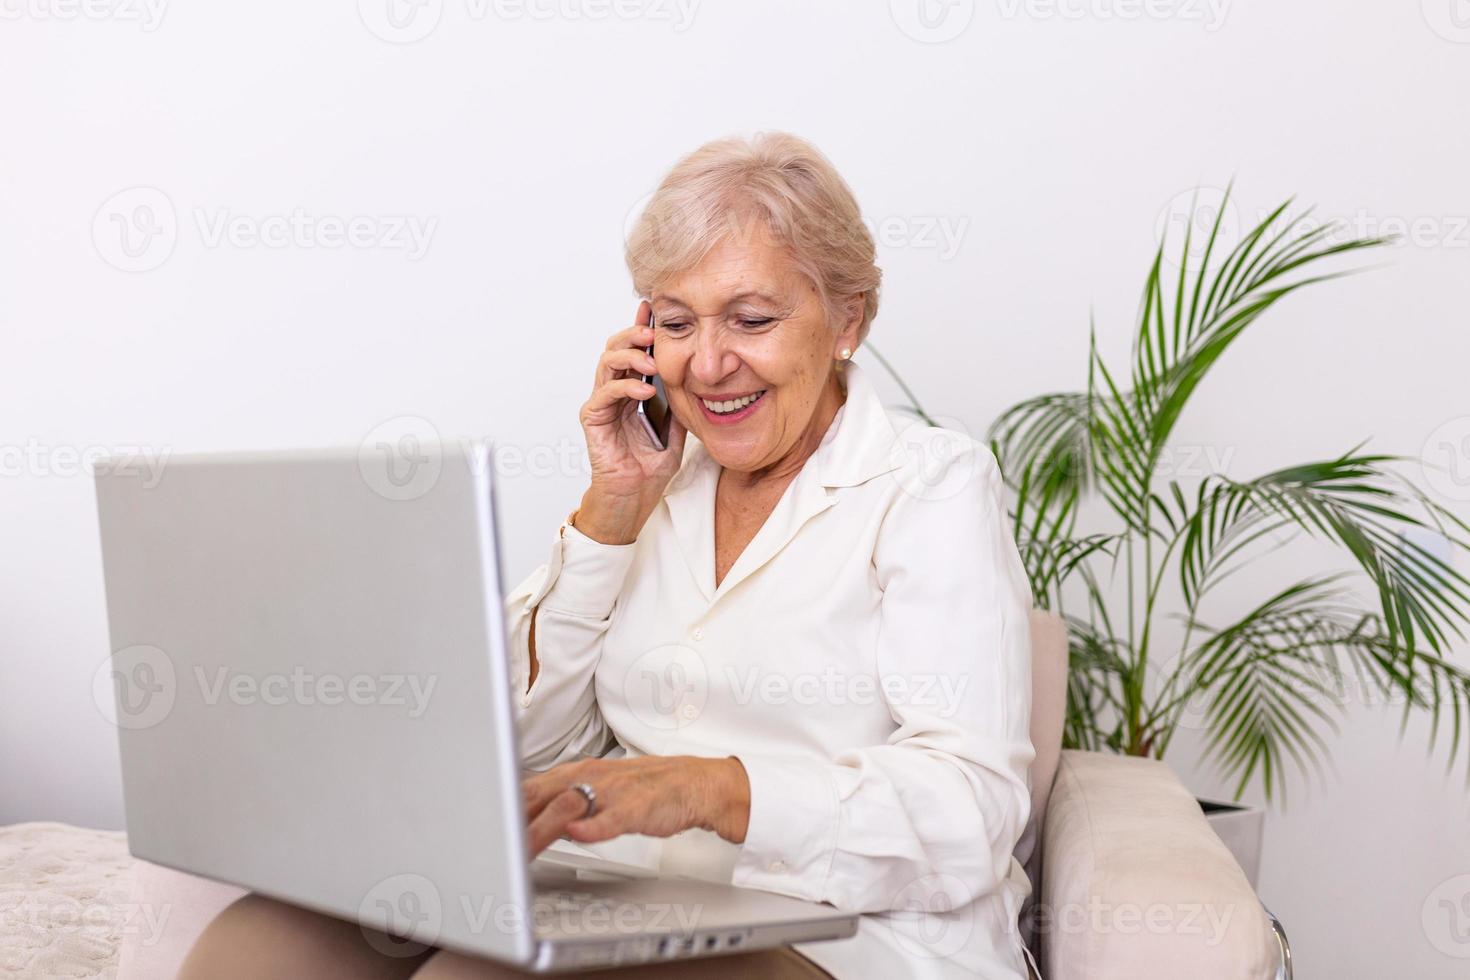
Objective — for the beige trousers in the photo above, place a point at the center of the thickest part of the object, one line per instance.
(257, 937)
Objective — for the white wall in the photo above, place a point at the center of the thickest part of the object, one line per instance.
(1051, 135)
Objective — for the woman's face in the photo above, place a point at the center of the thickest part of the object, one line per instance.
(743, 324)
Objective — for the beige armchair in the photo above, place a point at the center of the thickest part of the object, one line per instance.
(1129, 880)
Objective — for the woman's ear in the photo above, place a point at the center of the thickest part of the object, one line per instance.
(852, 321)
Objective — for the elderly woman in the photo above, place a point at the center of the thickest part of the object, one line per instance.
(790, 650)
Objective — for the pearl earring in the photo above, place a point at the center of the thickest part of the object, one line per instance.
(846, 353)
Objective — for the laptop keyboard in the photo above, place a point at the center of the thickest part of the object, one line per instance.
(576, 902)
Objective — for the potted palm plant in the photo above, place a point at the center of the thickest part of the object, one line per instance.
(1262, 685)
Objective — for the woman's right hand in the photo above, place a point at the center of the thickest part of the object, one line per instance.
(628, 474)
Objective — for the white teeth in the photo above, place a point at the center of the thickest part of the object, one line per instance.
(721, 408)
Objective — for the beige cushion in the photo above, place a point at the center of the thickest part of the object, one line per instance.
(1048, 713)
(1137, 884)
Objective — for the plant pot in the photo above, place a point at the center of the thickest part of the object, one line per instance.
(1240, 827)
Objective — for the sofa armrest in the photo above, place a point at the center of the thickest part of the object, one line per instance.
(1135, 883)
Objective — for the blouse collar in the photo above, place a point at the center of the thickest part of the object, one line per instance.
(860, 444)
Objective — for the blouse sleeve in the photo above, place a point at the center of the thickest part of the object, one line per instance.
(572, 596)
(941, 805)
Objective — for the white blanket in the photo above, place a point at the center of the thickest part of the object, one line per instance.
(66, 901)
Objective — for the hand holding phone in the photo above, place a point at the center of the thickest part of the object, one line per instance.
(632, 462)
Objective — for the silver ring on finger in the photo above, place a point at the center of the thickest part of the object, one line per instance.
(591, 795)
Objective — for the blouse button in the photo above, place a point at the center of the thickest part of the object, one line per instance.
(698, 633)
(777, 866)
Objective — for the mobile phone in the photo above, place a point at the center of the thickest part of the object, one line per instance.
(654, 411)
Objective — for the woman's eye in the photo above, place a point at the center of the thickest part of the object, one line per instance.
(757, 323)
(673, 326)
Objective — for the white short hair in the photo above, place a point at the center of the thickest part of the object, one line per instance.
(784, 183)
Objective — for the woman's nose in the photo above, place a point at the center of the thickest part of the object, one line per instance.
(711, 360)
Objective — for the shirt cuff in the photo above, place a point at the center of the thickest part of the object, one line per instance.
(792, 832)
(584, 577)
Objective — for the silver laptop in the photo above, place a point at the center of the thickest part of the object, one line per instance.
(313, 702)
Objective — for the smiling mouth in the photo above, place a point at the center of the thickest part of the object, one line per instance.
(733, 405)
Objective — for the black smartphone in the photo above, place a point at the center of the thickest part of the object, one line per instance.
(654, 411)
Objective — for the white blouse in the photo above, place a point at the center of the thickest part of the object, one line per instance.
(867, 658)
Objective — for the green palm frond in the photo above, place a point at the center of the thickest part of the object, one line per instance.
(1357, 503)
(1272, 681)
(1051, 558)
(1047, 443)
(1180, 340)
(1112, 434)
(1275, 679)
(1096, 663)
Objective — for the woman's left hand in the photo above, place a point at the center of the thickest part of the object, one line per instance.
(654, 795)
